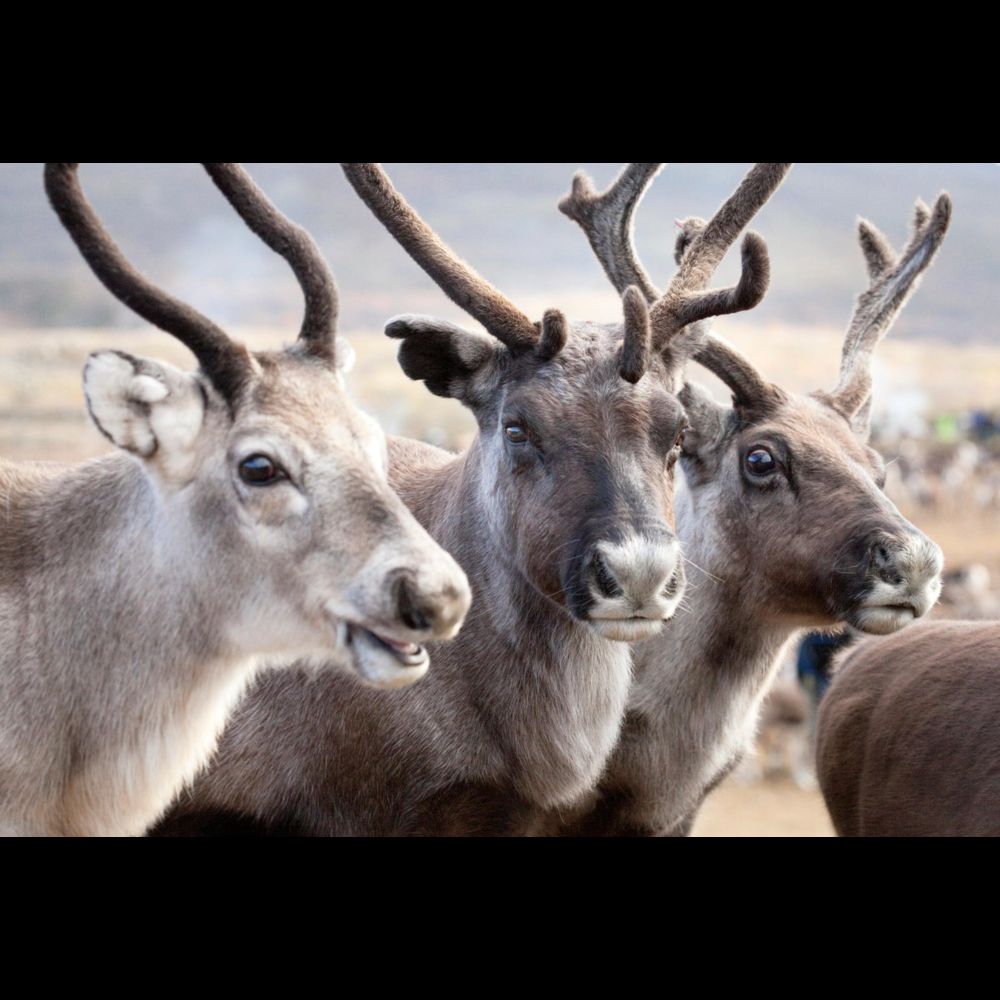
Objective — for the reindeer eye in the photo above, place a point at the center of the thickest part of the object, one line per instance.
(515, 433)
(760, 462)
(259, 470)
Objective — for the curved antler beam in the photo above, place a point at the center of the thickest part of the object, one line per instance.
(893, 280)
(453, 276)
(226, 363)
(294, 244)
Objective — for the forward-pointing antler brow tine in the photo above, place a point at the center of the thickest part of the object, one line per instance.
(685, 300)
(291, 241)
(893, 280)
(454, 276)
(226, 363)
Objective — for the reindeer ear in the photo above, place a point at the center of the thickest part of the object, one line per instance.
(862, 420)
(707, 421)
(145, 407)
(447, 359)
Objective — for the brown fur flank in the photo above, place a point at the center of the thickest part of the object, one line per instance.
(908, 743)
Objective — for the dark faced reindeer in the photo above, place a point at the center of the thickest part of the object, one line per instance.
(561, 514)
(782, 511)
(247, 516)
(908, 742)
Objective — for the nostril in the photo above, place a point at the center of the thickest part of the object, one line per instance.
(604, 578)
(885, 564)
(673, 584)
(411, 613)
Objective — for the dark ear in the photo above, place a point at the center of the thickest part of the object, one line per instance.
(450, 361)
(707, 421)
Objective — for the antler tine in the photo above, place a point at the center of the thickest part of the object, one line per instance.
(879, 255)
(607, 221)
(291, 241)
(454, 276)
(685, 300)
(890, 288)
(225, 362)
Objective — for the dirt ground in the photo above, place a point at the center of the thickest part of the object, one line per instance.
(770, 808)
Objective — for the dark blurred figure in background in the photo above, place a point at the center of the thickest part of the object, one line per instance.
(815, 655)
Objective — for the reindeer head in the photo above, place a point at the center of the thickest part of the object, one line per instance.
(269, 482)
(579, 424)
(785, 495)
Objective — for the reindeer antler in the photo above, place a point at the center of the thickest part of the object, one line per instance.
(291, 241)
(607, 220)
(224, 361)
(454, 276)
(893, 280)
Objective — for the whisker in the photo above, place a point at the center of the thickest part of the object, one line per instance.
(691, 562)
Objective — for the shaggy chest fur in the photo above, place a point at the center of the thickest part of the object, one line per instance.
(135, 779)
(701, 694)
(114, 690)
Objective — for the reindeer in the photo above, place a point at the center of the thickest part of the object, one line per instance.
(909, 734)
(560, 512)
(780, 510)
(247, 515)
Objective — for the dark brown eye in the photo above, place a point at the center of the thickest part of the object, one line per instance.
(760, 462)
(515, 433)
(259, 470)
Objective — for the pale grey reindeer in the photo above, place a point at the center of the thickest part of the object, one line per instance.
(908, 740)
(247, 516)
(781, 510)
(561, 514)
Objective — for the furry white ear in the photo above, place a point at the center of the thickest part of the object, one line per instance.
(146, 407)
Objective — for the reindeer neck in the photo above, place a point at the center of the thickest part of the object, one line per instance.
(698, 687)
(721, 627)
(548, 693)
(113, 611)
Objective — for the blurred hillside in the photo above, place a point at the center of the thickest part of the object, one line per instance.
(503, 218)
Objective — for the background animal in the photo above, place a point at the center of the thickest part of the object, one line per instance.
(908, 743)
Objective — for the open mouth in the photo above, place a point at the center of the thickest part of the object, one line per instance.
(384, 661)
(409, 654)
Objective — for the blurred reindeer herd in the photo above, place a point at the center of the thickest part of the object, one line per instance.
(262, 616)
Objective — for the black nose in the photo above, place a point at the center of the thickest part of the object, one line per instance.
(412, 612)
(883, 561)
(603, 577)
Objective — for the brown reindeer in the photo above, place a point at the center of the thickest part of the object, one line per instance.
(246, 515)
(908, 743)
(782, 513)
(560, 512)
